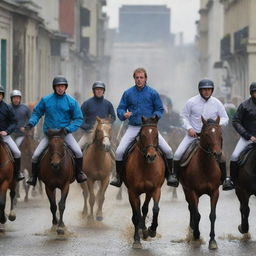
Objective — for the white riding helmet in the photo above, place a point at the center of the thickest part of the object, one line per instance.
(15, 93)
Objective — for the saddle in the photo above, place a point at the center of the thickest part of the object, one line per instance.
(190, 151)
(245, 154)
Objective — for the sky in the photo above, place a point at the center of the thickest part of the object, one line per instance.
(184, 14)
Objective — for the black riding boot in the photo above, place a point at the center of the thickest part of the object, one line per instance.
(80, 175)
(227, 183)
(173, 178)
(118, 180)
(18, 175)
(233, 171)
(35, 170)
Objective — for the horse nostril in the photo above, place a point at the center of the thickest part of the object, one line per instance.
(54, 165)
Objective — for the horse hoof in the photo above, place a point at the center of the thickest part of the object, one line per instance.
(60, 231)
(12, 217)
(137, 245)
(99, 218)
(26, 199)
(151, 233)
(241, 230)
(213, 245)
(145, 233)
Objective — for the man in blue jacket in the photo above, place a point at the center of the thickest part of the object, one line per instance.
(139, 100)
(7, 126)
(93, 107)
(61, 111)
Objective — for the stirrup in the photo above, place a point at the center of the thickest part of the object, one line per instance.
(31, 181)
(116, 182)
(81, 177)
(19, 176)
(172, 181)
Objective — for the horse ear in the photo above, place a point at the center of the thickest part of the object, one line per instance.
(218, 120)
(203, 120)
(156, 118)
(143, 119)
(98, 119)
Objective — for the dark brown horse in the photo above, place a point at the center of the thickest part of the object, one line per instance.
(57, 171)
(7, 181)
(202, 176)
(97, 164)
(144, 173)
(245, 186)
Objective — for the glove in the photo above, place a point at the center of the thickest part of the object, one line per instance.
(28, 127)
(65, 131)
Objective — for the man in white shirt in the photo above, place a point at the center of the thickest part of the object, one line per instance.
(203, 104)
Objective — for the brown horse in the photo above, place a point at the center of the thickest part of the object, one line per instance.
(202, 176)
(57, 171)
(27, 148)
(97, 165)
(245, 186)
(144, 173)
(7, 181)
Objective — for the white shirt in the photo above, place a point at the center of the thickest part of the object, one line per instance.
(197, 106)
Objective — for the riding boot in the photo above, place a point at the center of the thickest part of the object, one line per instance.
(173, 178)
(227, 183)
(233, 171)
(118, 180)
(17, 173)
(33, 177)
(80, 175)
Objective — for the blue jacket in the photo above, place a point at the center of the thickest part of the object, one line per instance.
(61, 111)
(8, 121)
(145, 102)
(96, 107)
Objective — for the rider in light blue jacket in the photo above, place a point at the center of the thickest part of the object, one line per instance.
(61, 111)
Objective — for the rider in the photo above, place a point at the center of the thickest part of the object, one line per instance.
(203, 104)
(139, 100)
(93, 107)
(244, 121)
(22, 115)
(7, 126)
(61, 111)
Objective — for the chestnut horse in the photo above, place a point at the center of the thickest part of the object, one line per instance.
(7, 181)
(57, 171)
(97, 165)
(144, 173)
(245, 186)
(202, 176)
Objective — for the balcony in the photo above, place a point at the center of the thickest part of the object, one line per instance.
(241, 40)
(225, 47)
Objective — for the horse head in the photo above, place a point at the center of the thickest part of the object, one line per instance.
(211, 137)
(148, 138)
(103, 133)
(56, 146)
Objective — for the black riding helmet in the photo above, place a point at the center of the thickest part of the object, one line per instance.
(98, 84)
(2, 90)
(206, 83)
(252, 87)
(59, 80)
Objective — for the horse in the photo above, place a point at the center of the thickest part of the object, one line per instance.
(144, 173)
(97, 164)
(27, 148)
(57, 171)
(202, 175)
(245, 186)
(7, 181)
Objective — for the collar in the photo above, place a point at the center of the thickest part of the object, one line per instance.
(140, 89)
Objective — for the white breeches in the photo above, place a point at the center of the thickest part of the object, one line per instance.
(12, 145)
(240, 146)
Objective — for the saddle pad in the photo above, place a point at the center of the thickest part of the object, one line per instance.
(191, 149)
(245, 153)
(9, 152)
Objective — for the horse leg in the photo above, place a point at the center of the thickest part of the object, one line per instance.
(193, 200)
(51, 194)
(156, 197)
(12, 215)
(244, 209)
(2, 206)
(214, 200)
(85, 195)
(136, 217)
(101, 198)
(119, 193)
(90, 184)
(145, 212)
(62, 205)
(26, 188)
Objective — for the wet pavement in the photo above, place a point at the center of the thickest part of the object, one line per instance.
(30, 234)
